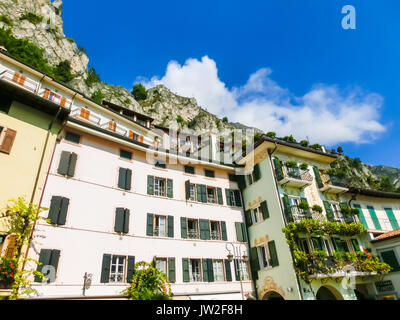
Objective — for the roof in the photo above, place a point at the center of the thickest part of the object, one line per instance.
(374, 193)
(388, 235)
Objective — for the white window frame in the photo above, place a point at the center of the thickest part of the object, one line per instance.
(158, 234)
(215, 201)
(197, 224)
(218, 232)
(244, 270)
(219, 274)
(192, 192)
(256, 215)
(195, 277)
(116, 273)
(260, 250)
(166, 264)
(157, 187)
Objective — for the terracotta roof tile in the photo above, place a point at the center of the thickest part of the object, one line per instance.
(387, 235)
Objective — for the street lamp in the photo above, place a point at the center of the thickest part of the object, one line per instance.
(237, 254)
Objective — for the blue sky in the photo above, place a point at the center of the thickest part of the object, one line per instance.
(283, 65)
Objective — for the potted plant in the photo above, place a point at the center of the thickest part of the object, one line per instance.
(303, 206)
(8, 268)
(291, 164)
(317, 208)
(304, 166)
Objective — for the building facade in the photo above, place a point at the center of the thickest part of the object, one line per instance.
(289, 186)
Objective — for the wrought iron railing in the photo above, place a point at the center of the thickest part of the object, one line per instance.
(193, 234)
(215, 235)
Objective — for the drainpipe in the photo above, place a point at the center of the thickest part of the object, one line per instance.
(282, 210)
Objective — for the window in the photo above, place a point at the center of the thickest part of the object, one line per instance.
(125, 154)
(304, 245)
(58, 210)
(211, 196)
(263, 254)
(160, 226)
(192, 192)
(189, 169)
(233, 198)
(125, 178)
(232, 177)
(257, 215)
(117, 269)
(192, 229)
(218, 270)
(194, 270)
(47, 257)
(67, 163)
(7, 137)
(215, 230)
(73, 137)
(244, 270)
(159, 187)
(335, 207)
(121, 220)
(160, 164)
(161, 264)
(250, 178)
(390, 258)
(209, 173)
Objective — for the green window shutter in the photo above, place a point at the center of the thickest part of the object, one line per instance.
(278, 169)
(54, 211)
(389, 257)
(223, 231)
(204, 193)
(105, 268)
(287, 208)
(244, 232)
(183, 228)
(329, 213)
(241, 182)
(361, 216)
(374, 218)
(210, 270)
(237, 270)
(130, 269)
(126, 220)
(171, 270)
(316, 243)
(72, 164)
(185, 269)
(187, 189)
(392, 218)
(204, 229)
(239, 232)
(257, 172)
(228, 270)
(307, 212)
(150, 185)
(219, 192)
(170, 188)
(254, 263)
(62, 217)
(248, 219)
(150, 224)
(64, 163)
(205, 270)
(128, 179)
(199, 193)
(273, 253)
(228, 197)
(238, 201)
(122, 178)
(264, 210)
(119, 220)
(44, 259)
(318, 177)
(54, 258)
(170, 226)
(355, 244)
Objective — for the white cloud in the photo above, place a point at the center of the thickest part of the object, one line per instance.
(325, 114)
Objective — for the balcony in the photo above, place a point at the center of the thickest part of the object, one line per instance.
(193, 234)
(85, 115)
(215, 235)
(331, 184)
(20, 80)
(294, 177)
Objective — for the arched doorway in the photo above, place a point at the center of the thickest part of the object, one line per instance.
(273, 295)
(328, 293)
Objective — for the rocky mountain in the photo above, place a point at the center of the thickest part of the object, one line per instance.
(40, 21)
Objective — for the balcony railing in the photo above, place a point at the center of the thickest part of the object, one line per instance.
(115, 128)
(193, 234)
(297, 213)
(215, 235)
(157, 232)
(76, 113)
(195, 277)
(20, 80)
(295, 177)
(332, 184)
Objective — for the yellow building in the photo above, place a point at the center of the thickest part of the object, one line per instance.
(30, 120)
